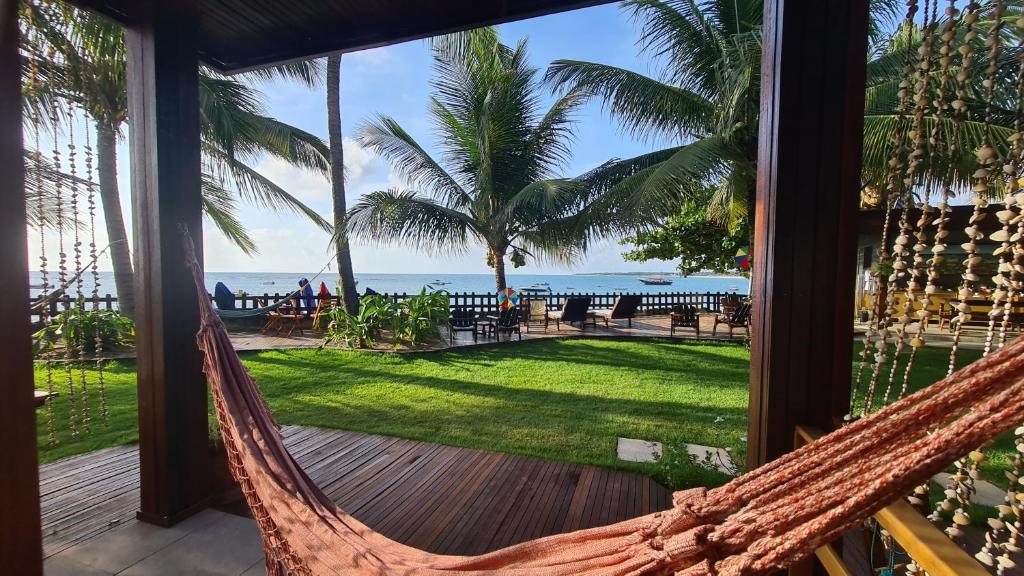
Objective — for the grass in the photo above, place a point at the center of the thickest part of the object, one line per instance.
(561, 399)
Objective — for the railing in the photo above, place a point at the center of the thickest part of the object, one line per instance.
(651, 303)
(927, 545)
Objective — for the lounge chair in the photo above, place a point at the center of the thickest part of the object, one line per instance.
(684, 316)
(575, 309)
(535, 312)
(506, 321)
(740, 318)
(462, 319)
(223, 297)
(625, 308)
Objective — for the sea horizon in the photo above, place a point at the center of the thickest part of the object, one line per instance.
(281, 283)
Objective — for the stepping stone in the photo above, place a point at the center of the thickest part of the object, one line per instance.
(988, 493)
(633, 450)
(719, 456)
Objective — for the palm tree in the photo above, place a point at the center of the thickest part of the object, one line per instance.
(496, 183)
(706, 104)
(77, 59)
(347, 279)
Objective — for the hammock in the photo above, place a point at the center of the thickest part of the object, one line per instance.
(253, 312)
(760, 522)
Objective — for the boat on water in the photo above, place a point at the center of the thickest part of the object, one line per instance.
(656, 281)
(535, 288)
(440, 283)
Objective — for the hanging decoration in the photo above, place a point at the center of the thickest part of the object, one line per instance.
(743, 258)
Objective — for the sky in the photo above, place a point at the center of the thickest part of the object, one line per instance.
(395, 81)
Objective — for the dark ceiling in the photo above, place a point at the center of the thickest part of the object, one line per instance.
(237, 35)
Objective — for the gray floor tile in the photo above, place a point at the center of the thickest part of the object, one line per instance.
(61, 566)
(225, 547)
(257, 569)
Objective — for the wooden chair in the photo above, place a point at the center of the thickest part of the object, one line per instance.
(291, 317)
(507, 321)
(625, 308)
(535, 312)
(740, 318)
(574, 309)
(273, 319)
(321, 315)
(462, 319)
(946, 315)
(684, 316)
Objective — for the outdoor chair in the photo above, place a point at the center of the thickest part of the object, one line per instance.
(946, 314)
(321, 314)
(462, 319)
(575, 309)
(740, 318)
(291, 316)
(684, 316)
(625, 308)
(273, 318)
(535, 312)
(729, 304)
(506, 321)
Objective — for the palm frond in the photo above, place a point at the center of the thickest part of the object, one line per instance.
(386, 137)
(256, 188)
(644, 107)
(403, 217)
(220, 207)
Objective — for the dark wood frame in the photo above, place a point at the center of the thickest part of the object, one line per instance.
(21, 548)
(804, 240)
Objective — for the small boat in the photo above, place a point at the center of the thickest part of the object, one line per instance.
(656, 281)
(541, 287)
(440, 283)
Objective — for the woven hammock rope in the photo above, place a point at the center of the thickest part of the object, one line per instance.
(762, 521)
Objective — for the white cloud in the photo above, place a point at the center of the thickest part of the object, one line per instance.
(310, 186)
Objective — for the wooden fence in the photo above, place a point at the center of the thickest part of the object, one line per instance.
(652, 303)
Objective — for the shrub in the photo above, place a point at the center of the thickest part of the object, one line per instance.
(413, 320)
(77, 329)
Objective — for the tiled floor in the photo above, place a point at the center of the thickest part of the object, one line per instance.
(210, 543)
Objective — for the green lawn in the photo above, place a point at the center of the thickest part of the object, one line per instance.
(562, 399)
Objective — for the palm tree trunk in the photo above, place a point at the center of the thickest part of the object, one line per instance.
(350, 298)
(110, 196)
(499, 268)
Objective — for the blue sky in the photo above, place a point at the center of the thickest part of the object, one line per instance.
(394, 80)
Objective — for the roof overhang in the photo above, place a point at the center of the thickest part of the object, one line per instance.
(239, 35)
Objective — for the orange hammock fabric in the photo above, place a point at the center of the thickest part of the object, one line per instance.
(762, 521)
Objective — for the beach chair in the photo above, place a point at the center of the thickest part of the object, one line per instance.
(535, 312)
(684, 316)
(740, 318)
(575, 309)
(625, 308)
(506, 321)
(223, 296)
(462, 319)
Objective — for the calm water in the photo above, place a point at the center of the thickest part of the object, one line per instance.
(271, 283)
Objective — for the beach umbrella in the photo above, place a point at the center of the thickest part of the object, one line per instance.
(743, 259)
(508, 298)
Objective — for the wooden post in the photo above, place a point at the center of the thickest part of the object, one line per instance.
(21, 549)
(163, 100)
(809, 153)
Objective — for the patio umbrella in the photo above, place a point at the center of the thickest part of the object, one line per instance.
(743, 259)
(508, 298)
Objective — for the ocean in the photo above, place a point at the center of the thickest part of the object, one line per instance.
(271, 283)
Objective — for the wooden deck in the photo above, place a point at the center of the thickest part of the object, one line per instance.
(439, 498)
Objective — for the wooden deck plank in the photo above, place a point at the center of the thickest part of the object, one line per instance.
(443, 499)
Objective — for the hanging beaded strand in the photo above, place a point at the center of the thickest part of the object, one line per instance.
(62, 271)
(961, 487)
(79, 303)
(95, 267)
(1002, 538)
(44, 311)
(877, 333)
(931, 266)
(912, 272)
